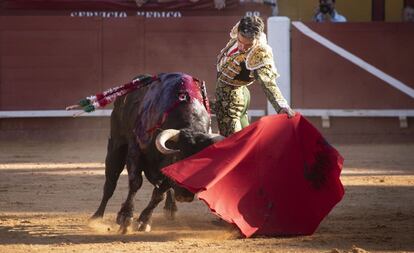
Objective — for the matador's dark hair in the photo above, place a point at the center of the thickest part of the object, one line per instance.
(251, 27)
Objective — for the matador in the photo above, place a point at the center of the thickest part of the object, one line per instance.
(246, 58)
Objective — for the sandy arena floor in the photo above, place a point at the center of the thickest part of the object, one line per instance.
(49, 190)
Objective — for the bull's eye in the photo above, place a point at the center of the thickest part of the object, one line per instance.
(182, 97)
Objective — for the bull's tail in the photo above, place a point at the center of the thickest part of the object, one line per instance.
(91, 103)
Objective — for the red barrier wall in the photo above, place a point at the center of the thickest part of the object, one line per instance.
(50, 62)
(324, 80)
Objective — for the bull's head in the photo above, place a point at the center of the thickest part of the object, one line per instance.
(188, 143)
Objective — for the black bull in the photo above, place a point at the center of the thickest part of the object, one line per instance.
(172, 101)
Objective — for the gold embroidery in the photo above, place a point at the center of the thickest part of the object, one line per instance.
(255, 58)
(258, 57)
(231, 68)
(228, 75)
(223, 52)
(223, 78)
(267, 79)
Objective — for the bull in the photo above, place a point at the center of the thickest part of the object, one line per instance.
(162, 122)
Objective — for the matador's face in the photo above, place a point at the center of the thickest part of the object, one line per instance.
(243, 43)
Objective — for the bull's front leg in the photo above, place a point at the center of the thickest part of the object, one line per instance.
(158, 195)
(125, 214)
(170, 207)
(114, 164)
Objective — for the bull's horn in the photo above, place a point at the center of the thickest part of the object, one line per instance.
(163, 137)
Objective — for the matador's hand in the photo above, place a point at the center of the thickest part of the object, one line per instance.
(290, 113)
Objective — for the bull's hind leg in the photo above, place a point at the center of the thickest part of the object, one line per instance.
(125, 215)
(170, 207)
(114, 164)
(144, 220)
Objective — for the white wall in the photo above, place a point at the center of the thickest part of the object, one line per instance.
(278, 35)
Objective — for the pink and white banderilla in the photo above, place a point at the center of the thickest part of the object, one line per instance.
(91, 103)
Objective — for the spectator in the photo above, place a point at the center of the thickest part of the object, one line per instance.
(326, 12)
(408, 14)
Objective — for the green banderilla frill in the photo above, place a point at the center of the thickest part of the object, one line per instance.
(84, 102)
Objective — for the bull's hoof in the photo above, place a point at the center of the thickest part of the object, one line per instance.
(98, 214)
(123, 229)
(124, 220)
(95, 217)
(169, 214)
(143, 227)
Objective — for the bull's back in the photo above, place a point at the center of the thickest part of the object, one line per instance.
(157, 105)
(125, 112)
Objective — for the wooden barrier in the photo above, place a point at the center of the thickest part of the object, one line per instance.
(48, 62)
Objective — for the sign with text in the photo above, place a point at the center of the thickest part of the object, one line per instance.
(128, 8)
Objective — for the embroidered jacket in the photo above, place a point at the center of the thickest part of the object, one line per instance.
(243, 68)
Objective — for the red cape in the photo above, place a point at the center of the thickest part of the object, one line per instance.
(278, 176)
